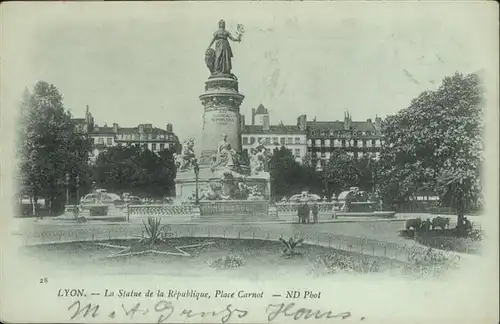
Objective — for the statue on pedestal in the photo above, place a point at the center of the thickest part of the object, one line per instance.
(187, 158)
(219, 60)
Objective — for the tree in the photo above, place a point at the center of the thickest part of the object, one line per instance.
(288, 177)
(343, 171)
(436, 143)
(135, 169)
(365, 167)
(51, 147)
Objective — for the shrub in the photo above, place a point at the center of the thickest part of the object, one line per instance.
(290, 245)
(407, 233)
(227, 262)
(450, 240)
(154, 232)
(334, 263)
(432, 263)
(476, 235)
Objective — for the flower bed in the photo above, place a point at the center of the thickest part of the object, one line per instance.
(193, 256)
(449, 242)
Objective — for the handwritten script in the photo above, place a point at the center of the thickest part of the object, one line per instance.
(164, 310)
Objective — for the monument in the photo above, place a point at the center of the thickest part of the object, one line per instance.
(223, 177)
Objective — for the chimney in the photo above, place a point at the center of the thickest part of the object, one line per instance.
(253, 116)
(170, 128)
(115, 127)
(141, 128)
(242, 122)
(265, 122)
(347, 121)
(301, 122)
(378, 122)
(369, 120)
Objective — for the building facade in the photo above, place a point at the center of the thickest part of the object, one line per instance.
(357, 138)
(84, 125)
(144, 135)
(292, 137)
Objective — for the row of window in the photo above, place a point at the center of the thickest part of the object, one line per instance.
(339, 133)
(100, 140)
(154, 146)
(144, 137)
(296, 152)
(345, 143)
(271, 140)
(326, 155)
(109, 140)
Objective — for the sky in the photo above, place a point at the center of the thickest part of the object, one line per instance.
(135, 63)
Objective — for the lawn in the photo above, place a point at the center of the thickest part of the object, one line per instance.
(256, 258)
(190, 257)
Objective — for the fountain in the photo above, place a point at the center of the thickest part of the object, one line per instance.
(355, 202)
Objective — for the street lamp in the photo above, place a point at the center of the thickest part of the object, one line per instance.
(196, 173)
(351, 139)
(77, 189)
(67, 188)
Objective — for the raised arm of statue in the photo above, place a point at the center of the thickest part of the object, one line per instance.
(234, 39)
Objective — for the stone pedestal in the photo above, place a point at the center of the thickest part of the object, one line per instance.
(221, 101)
(222, 190)
(185, 183)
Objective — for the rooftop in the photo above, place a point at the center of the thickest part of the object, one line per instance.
(273, 129)
(362, 126)
(261, 110)
(129, 130)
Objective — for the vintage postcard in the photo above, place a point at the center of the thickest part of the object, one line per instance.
(249, 162)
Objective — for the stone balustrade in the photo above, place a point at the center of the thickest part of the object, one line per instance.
(324, 207)
(246, 207)
(160, 210)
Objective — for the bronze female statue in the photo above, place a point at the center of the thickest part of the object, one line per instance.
(219, 60)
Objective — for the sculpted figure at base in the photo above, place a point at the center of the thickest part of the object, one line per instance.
(213, 191)
(219, 60)
(258, 159)
(225, 156)
(256, 193)
(187, 158)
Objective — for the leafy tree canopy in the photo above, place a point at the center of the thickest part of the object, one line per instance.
(289, 177)
(50, 146)
(436, 144)
(137, 170)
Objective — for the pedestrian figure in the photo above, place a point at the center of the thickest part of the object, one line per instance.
(307, 212)
(315, 211)
(76, 211)
(299, 213)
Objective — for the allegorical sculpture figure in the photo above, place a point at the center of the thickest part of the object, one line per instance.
(187, 157)
(259, 158)
(225, 155)
(219, 60)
